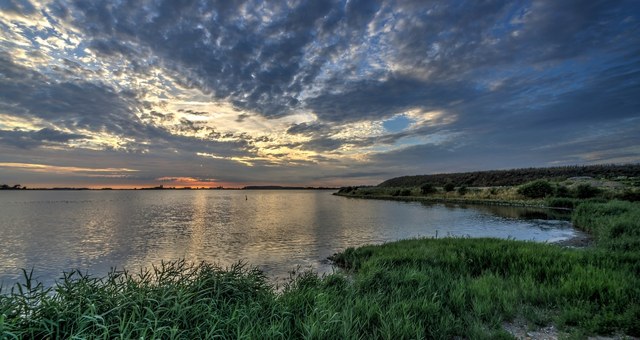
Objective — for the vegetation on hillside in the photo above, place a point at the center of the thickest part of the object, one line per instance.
(556, 194)
(519, 176)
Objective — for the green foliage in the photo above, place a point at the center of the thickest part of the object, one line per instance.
(516, 176)
(536, 189)
(616, 224)
(562, 191)
(490, 281)
(346, 190)
(587, 191)
(174, 300)
(427, 188)
(462, 190)
(632, 195)
(449, 187)
(561, 202)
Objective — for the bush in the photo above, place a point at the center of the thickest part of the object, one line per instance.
(562, 191)
(346, 190)
(536, 189)
(449, 187)
(630, 195)
(428, 188)
(463, 190)
(587, 191)
(561, 202)
(405, 192)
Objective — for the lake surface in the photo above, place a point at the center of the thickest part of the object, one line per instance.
(277, 231)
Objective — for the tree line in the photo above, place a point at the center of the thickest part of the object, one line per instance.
(11, 187)
(517, 176)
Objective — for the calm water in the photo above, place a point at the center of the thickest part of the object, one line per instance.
(55, 231)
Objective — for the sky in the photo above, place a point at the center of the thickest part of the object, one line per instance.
(138, 93)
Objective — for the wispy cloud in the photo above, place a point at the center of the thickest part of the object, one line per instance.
(66, 169)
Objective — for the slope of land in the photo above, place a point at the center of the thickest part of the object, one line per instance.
(518, 176)
(548, 187)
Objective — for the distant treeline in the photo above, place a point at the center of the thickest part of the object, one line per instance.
(11, 187)
(279, 187)
(516, 176)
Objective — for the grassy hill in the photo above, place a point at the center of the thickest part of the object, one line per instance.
(516, 176)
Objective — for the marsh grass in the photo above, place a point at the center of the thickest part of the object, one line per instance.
(420, 288)
(488, 195)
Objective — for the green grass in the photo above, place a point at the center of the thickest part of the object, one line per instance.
(615, 225)
(541, 193)
(420, 288)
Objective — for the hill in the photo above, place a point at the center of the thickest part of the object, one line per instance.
(516, 176)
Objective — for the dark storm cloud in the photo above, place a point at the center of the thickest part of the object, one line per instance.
(453, 40)
(227, 47)
(192, 112)
(31, 139)
(262, 57)
(307, 129)
(70, 104)
(381, 99)
(23, 7)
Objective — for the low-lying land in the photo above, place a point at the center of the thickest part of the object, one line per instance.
(564, 193)
(420, 288)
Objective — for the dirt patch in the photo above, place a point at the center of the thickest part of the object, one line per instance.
(519, 330)
(581, 240)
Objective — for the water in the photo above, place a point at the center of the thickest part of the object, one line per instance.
(278, 231)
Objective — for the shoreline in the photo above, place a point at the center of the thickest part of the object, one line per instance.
(426, 199)
(581, 240)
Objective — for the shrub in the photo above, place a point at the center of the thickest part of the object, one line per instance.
(561, 202)
(562, 191)
(449, 187)
(536, 189)
(405, 192)
(428, 188)
(346, 190)
(629, 195)
(462, 190)
(587, 191)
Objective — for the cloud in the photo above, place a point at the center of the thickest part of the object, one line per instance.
(307, 129)
(382, 99)
(22, 7)
(294, 90)
(30, 139)
(62, 169)
(102, 115)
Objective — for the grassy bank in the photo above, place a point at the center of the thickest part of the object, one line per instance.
(559, 194)
(423, 288)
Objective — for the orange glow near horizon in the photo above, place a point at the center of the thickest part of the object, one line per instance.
(101, 178)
